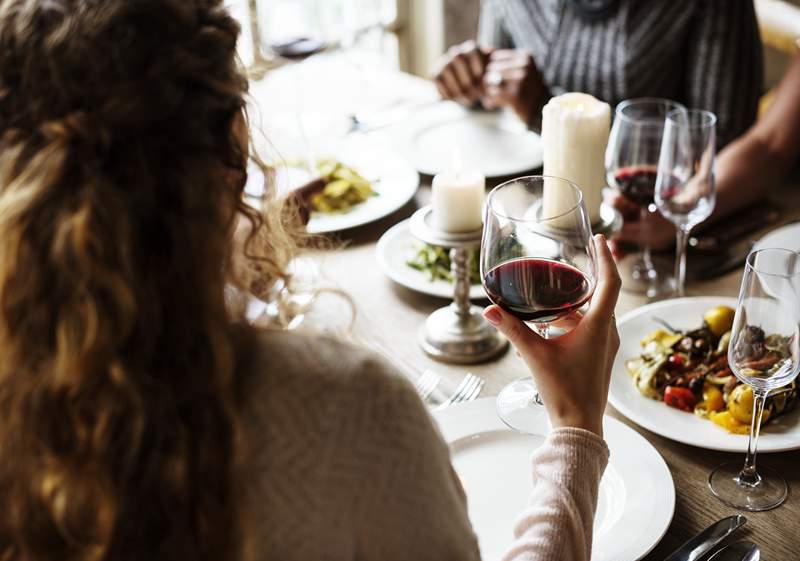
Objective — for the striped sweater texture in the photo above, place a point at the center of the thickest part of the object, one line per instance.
(705, 54)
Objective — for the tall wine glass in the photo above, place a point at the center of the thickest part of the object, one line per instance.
(634, 147)
(764, 353)
(685, 187)
(538, 263)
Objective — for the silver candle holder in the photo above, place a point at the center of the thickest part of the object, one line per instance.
(456, 333)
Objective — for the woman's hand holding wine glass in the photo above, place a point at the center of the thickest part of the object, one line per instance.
(539, 265)
(573, 371)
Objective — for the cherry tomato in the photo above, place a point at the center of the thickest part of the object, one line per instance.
(676, 359)
(680, 398)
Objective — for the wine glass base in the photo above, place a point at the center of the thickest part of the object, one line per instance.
(638, 278)
(520, 407)
(768, 493)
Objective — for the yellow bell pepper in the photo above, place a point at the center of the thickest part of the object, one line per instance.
(728, 422)
(712, 398)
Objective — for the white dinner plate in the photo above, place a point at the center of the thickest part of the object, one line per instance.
(636, 498)
(684, 313)
(393, 179)
(786, 237)
(395, 248)
(494, 143)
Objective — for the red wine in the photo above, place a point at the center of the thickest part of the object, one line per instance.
(637, 183)
(536, 289)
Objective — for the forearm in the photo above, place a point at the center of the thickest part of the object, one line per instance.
(746, 172)
(557, 526)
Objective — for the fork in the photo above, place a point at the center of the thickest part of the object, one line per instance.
(469, 388)
(426, 383)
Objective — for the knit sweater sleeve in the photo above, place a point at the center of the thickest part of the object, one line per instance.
(417, 508)
(724, 58)
(412, 504)
(557, 526)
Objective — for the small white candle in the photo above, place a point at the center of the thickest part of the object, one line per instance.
(575, 129)
(458, 200)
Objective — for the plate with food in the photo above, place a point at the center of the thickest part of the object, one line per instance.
(356, 188)
(636, 499)
(671, 376)
(422, 267)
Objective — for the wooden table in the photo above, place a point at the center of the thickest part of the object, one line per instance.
(389, 317)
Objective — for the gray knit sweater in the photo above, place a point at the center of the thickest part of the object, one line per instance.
(345, 464)
(705, 54)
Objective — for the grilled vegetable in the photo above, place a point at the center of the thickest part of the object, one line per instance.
(344, 188)
(719, 320)
(690, 371)
(680, 398)
(435, 261)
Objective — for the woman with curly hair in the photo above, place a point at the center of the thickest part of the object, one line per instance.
(139, 418)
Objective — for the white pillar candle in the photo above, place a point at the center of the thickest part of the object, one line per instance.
(575, 128)
(458, 200)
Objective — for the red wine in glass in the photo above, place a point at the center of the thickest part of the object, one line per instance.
(637, 183)
(537, 289)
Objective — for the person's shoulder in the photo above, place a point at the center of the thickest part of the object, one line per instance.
(284, 360)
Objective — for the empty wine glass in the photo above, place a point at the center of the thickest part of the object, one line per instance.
(685, 187)
(633, 151)
(764, 354)
(538, 263)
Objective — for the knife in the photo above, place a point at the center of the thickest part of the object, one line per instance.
(703, 542)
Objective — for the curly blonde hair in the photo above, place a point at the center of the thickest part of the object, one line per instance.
(120, 184)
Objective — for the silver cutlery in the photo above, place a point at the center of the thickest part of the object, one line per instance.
(706, 540)
(426, 383)
(739, 551)
(367, 122)
(469, 388)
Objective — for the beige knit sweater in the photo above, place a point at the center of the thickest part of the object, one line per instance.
(345, 463)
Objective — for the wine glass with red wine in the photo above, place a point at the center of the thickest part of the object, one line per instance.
(538, 263)
(634, 147)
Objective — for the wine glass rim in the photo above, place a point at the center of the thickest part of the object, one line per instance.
(490, 198)
(707, 118)
(619, 112)
(751, 258)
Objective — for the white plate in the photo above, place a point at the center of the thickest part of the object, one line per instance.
(786, 237)
(496, 144)
(636, 498)
(395, 248)
(684, 313)
(394, 180)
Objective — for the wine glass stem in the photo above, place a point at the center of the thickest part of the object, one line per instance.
(543, 329)
(749, 475)
(644, 220)
(680, 261)
(460, 260)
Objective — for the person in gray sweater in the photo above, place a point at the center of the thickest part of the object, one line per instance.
(705, 54)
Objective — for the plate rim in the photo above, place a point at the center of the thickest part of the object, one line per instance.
(381, 251)
(762, 243)
(487, 117)
(619, 404)
(614, 424)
